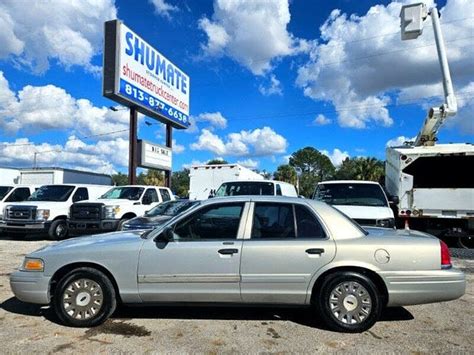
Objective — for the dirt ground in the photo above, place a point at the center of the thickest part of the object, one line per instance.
(439, 328)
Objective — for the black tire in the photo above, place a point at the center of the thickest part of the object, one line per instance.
(348, 320)
(466, 242)
(58, 230)
(78, 284)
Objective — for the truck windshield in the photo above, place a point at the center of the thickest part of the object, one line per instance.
(124, 192)
(351, 194)
(4, 190)
(245, 188)
(171, 208)
(55, 193)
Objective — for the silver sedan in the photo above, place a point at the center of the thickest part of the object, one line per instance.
(245, 250)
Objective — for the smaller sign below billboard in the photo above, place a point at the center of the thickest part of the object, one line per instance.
(154, 156)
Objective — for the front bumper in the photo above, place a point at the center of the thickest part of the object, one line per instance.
(24, 227)
(419, 287)
(82, 227)
(31, 287)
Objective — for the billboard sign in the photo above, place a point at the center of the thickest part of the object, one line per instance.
(154, 156)
(136, 75)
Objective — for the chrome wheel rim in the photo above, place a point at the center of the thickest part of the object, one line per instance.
(82, 299)
(60, 230)
(350, 303)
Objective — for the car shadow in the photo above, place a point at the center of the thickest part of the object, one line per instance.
(301, 316)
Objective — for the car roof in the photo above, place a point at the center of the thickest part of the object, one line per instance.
(262, 198)
(349, 182)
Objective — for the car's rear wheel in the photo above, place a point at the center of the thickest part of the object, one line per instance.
(349, 302)
(84, 297)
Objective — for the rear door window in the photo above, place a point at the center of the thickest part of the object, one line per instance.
(307, 224)
(273, 221)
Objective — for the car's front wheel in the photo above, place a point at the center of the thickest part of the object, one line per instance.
(349, 302)
(84, 297)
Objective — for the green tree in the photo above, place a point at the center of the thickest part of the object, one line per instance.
(286, 173)
(180, 183)
(217, 161)
(119, 179)
(314, 166)
(154, 177)
(361, 169)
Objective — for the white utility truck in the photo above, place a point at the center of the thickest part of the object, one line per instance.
(14, 193)
(116, 206)
(433, 183)
(46, 210)
(204, 180)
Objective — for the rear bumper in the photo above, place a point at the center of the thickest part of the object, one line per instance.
(419, 287)
(31, 287)
(82, 227)
(25, 227)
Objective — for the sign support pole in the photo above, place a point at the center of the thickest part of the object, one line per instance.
(132, 151)
(169, 144)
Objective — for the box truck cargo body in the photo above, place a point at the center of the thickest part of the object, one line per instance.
(206, 178)
(47, 176)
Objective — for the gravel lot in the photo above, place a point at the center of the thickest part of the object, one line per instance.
(439, 328)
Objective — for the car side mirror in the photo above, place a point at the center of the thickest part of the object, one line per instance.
(394, 200)
(165, 236)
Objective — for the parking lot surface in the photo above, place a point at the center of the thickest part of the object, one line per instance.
(439, 328)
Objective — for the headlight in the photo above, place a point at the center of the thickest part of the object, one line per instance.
(42, 215)
(32, 264)
(111, 211)
(386, 223)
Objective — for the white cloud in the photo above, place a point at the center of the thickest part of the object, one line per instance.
(253, 33)
(258, 142)
(178, 148)
(215, 119)
(100, 157)
(163, 8)
(248, 163)
(70, 32)
(399, 141)
(337, 156)
(40, 108)
(321, 120)
(274, 87)
(357, 76)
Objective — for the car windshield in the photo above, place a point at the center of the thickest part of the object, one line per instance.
(4, 190)
(124, 192)
(351, 194)
(245, 188)
(170, 208)
(55, 193)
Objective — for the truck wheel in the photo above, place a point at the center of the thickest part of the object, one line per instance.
(348, 302)
(58, 230)
(84, 297)
(466, 242)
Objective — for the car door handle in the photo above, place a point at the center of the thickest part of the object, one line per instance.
(315, 251)
(228, 251)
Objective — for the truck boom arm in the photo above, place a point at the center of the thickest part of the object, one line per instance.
(437, 115)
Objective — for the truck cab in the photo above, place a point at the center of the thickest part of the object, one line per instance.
(256, 187)
(14, 193)
(45, 211)
(363, 201)
(116, 206)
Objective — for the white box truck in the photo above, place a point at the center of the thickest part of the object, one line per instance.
(204, 179)
(9, 176)
(47, 176)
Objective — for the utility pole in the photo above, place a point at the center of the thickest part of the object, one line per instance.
(132, 152)
(169, 144)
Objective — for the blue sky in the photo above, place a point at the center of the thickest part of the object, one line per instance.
(267, 78)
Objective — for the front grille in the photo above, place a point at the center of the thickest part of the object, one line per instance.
(86, 211)
(366, 222)
(17, 213)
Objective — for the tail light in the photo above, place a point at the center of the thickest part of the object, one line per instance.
(445, 256)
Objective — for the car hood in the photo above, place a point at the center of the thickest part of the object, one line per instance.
(365, 212)
(157, 220)
(39, 204)
(97, 241)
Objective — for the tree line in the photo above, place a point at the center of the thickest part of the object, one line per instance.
(306, 167)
